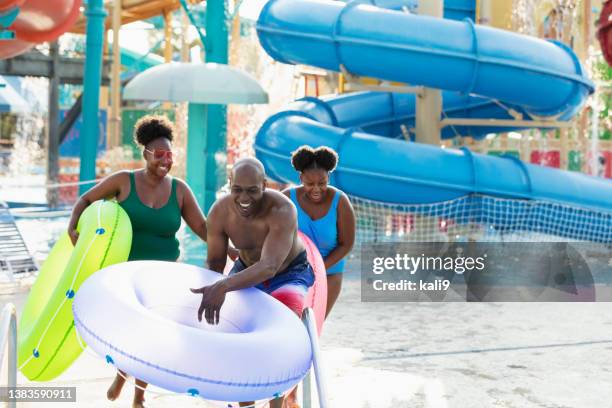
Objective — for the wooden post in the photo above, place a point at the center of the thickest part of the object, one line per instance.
(485, 12)
(524, 149)
(587, 20)
(167, 46)
(429, 102)
(427, 127)
(503, 142)
(180, 141)
(184, 44)
(167, 36)
(235, 41)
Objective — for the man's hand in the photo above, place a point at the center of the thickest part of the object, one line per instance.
(213, 297)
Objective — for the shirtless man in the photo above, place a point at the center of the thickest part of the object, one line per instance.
(262, 225)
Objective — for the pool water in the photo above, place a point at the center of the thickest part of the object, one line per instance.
(40, 234)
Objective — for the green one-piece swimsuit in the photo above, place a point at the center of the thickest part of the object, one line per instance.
(153, 229)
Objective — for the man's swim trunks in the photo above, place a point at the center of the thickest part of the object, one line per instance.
(288, 286)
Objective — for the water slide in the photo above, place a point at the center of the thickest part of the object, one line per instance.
(484, 73)
(25, 23)
(136, 62)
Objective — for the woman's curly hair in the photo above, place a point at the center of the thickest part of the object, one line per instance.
(323, 157)
(151, 127)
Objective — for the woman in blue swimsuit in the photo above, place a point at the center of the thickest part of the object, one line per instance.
(325, 213)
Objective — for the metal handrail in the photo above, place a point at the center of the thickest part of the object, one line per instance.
(8, 333)
(309, 319)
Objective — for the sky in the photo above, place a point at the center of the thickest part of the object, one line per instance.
(250, 8)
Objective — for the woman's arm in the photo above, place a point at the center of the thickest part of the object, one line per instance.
(346, 232)
(218, 241)
(108, 187)
(191, 211)
(194, 217)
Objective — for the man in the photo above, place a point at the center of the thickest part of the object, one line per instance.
(262, 225)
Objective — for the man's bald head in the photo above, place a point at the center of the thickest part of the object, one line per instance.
(250, 168)
(247, 186)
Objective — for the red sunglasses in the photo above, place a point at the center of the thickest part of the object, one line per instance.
(159, 154)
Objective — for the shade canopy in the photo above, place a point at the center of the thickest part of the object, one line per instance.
(10, 99)
(208, 83)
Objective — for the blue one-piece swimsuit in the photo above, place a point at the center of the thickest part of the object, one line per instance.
(322, 232)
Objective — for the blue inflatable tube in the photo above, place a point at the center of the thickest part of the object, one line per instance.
(420, 50)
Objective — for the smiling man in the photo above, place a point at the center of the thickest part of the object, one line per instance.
(262, 224)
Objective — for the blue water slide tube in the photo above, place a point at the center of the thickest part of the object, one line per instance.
(365, 127)
(420, 50)
(395, 171)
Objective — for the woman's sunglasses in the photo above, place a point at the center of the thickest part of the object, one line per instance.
(159, 154)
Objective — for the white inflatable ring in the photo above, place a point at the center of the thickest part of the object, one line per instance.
(142, 317)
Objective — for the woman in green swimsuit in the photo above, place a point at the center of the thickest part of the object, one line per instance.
(155, 203)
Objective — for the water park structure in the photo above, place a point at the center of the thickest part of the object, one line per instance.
(455, 121)
(338, 38)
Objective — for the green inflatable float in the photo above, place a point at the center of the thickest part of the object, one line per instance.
(47, 340)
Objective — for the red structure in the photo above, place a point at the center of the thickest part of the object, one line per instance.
(543, 158)
(38, 21)
(605, 164)
(604, 34)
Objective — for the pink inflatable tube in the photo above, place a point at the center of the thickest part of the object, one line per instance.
(317, 294)
(316, 298)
